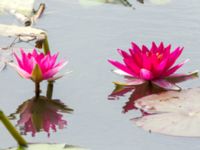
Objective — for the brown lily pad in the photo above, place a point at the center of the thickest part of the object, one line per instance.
(171, 113)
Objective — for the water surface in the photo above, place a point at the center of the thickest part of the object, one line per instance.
(87, 37)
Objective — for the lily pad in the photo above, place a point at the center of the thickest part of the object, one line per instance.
(160, 2)
(24, 33)
(172, 113)
(97, 2)
(21, 6)
(171, 101)
(47, 147)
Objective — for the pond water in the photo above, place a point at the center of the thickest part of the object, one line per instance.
(87, 37)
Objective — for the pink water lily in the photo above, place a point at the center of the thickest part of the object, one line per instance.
(155, 65)
(38, 66)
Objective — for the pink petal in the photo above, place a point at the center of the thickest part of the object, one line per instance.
(167, 51)
(134, 81)
(27, 62)
(123, 53)
(146, 62)
(21, 72)
(174, 56)
(175, 68)
(158, 70)
(132, 66)
(52, 72)
(135, 47)
(145, 74)
(53, 60)
(18, 61)
(165, 84)
(144, 49)
(121, 67)
(154, 48)
(137, 57)
(121, 72)
(34, 53)
(44, 64)
(161, 47)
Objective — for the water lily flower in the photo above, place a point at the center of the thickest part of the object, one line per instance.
(38, 66)
(155, 65)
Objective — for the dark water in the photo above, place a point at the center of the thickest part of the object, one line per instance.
(87, 37)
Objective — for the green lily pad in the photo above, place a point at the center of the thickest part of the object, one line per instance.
(48, 147)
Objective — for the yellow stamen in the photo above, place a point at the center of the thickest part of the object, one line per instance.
(159, 56)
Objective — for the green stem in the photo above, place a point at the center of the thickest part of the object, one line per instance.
(46, 45)
(37, 89)
(50, 89)
(16, 135)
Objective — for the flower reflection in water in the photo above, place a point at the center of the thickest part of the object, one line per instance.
(141, 90)
(41, 114)
(137, 92)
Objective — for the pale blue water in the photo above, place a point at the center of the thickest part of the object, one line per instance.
(87, 37)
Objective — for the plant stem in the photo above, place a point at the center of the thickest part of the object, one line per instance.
(50, 89)
(39, 12)
(37, 89)
(20, 140)
(46, 45)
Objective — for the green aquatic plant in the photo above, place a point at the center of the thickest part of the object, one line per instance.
(13, 131)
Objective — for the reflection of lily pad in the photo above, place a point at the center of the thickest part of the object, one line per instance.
(23, 6)
(171, 113)
(48, 147)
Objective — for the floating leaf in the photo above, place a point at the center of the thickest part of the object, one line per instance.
(48, 147)
(91, 2)
(160, 2)
(98, 2)
(172, 113)
(24, 33)
(171, 101)
(22, 6)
